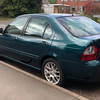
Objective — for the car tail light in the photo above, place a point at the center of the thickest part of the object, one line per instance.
(89, 54)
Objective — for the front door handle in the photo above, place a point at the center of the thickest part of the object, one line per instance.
(15, 38)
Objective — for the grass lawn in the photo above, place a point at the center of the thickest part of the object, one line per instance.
(98, 19)
(95, 19)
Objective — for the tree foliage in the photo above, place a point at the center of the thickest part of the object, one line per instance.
(1, 1)
(93, 8)
(14, 8)
(52, 1)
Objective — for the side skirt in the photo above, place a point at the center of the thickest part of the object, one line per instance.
(20, 62)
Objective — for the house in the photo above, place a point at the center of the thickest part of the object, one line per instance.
(56, 8)
(45, 2)
(75, 5)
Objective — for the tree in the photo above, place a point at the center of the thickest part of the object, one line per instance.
(14, 8)
(1, 1)
(93, 8)
(52, 1)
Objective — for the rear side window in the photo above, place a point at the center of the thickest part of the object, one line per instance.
(16, 26)
(48, 32)
(80, 26)
(36, 27)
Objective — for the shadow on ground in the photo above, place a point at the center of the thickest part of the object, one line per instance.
(88, 90)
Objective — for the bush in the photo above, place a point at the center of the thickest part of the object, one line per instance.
(14, 8)
(52, 1)
(92, 8)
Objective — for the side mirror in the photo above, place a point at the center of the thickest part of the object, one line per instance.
(1, 30)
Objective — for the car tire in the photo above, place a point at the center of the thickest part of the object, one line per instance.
(52, 72)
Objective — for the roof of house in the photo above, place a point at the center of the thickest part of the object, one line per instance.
(45, 2)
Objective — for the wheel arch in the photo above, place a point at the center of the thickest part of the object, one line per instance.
(63, 76)
(54, 56)
(46, 57)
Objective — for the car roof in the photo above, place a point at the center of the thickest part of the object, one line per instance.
(50, 15)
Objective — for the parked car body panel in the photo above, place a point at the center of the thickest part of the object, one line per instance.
(62, 45)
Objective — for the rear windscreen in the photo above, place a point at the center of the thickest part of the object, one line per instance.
(80, 26)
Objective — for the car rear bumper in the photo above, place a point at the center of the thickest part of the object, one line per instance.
(84, 71)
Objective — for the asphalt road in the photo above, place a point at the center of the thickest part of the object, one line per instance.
(91, 91)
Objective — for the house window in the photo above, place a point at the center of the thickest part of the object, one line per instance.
(81, 9)
(73, 8)
(73, 0)
(63, 0)
(96, 1)
(83, 0)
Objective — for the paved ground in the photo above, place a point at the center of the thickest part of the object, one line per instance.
(16, 84)
(3, 23)
(90, 91)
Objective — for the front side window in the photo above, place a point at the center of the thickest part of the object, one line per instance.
(16, 26)
(36, 27)
(80, 26)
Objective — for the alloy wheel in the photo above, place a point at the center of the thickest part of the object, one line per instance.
(52, 72)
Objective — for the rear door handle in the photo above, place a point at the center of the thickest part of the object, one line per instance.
(44, 43)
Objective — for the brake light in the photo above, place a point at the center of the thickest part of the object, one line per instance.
(89, 54)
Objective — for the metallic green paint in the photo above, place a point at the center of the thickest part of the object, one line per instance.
(63, 46)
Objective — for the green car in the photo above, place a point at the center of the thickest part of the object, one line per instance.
(60, 45)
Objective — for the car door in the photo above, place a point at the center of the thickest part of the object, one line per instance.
(36, 41)
(10, 38)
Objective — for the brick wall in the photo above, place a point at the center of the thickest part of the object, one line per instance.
(77, 3)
